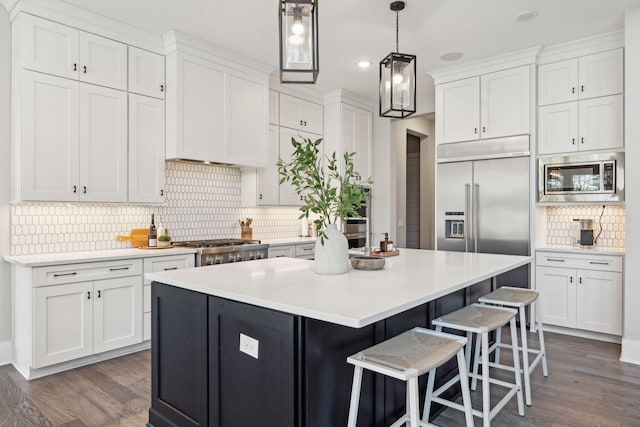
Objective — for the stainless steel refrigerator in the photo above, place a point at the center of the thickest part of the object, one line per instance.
(483, 196)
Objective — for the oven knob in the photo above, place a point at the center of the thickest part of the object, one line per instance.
(217, 260)
(239, 257)
(232, 258)
(252, 256)
(209, 261)
(259, 255)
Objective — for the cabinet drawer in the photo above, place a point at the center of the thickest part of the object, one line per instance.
(169, 262)
(85, 272)
(282, 251)
(306, 249)
(582, 261)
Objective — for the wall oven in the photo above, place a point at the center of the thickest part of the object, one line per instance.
(597, 178)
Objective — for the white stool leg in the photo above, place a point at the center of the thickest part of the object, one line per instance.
(525, 356)
(464, 385)
(498, 341)
(467, 350)
(413, 401)
(355, 396)
(486, 393)
(476, 361)
(516, 364)
(426, 412)
(545, 370)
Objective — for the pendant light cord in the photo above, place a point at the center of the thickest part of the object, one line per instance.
(397, 31)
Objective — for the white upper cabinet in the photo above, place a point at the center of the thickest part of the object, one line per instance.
(558, 128)
(589, 76)
(357, 137)
(600, 123)
(505, 103)
(146, 149)
(296, 113)
(57, 49)
(261, 186)
(274, 107)
(288, 195)
(146, 73)
(50, 144)
(215, 113)
(489, 106)
(458, 110)
(103, 144)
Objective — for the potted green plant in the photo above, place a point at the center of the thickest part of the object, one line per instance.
(164, 240)
(330, 194)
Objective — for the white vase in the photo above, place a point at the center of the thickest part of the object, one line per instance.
(333, 256)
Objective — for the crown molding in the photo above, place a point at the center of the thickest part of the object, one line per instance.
(8, 4)
(581, 47)
(347, 97)
(177, 41)
(66, 14)
(495, 63)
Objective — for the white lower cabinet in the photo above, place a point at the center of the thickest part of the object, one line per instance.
(582, 292)
(297, 250)
(152, 265)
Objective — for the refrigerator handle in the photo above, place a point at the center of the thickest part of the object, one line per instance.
(467, 214)
(476, 216)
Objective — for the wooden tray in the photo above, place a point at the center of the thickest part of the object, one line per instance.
(386, 254)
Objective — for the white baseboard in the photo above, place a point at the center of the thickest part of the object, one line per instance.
(6, 352)
(582, 334)
(630, 351)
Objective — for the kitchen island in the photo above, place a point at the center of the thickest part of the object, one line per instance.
(265, 342)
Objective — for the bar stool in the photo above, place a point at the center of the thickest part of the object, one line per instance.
(406, 357)
(518, 298)
(481, 319)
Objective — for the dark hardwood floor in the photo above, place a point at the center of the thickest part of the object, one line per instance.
(587, 386)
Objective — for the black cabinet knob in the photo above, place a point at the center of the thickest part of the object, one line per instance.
(75, 67)
(75, 189)
(84, 69)
(161, 88)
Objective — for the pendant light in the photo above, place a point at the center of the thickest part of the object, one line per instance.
(298, 41)
(397, 79)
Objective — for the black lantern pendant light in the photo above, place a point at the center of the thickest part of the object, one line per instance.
(397, 79)
(299, 41)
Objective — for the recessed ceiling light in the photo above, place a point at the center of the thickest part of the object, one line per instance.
(364, 64)
(526, 16)
(451, 56)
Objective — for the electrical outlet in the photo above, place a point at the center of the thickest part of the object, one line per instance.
(249, 345)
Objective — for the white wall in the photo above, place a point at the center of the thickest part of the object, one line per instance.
(5, 185)
(383, 179)
(631, 334)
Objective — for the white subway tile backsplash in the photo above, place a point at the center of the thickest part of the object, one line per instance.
(202, 202)
(560, 224)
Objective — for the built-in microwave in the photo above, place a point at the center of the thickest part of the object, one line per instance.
(595, 178)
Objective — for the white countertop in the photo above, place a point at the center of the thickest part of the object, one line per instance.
(355, 299)
(288, 241)
(91, 256)
(582, 249)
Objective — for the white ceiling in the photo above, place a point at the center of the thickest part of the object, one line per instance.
(365, 29)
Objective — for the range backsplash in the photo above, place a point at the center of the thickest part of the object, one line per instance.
(560, 224)
(202, 201)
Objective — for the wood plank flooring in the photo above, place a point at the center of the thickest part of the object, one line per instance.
(587, 386)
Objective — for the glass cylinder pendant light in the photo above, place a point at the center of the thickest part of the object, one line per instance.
(397, 79)
(299, 41)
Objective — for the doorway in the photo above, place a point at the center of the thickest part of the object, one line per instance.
(413, 192)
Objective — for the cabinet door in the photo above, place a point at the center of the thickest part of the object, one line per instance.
(458, 111)
(558, 82)
(50, 142)
(200, 128)
(291, 112)
(288, 195)
(558, 128)
(312, 118)
(601, 74)
(63, 323)
(49, 47)
(505, 103)
(103, 147)
(282, 251)
(146, 149)
(268, 179)
(557, 287)
(103, 61)
(146, 73)
(363, 142)
(117, 313)
(601, 123)
(599, 301)
(274, 107)
(246, 115)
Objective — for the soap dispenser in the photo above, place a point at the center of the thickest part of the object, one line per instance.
(386, 245)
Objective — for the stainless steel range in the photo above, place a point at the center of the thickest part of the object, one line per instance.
(222, 251)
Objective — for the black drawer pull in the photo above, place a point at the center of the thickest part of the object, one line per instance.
(118, 268)
(170, 268)
(88, 294)
(84, 69)
(555, 260)
(161, 88)
(65, 274)
(99, 293)
(307, 249)
(599, 262)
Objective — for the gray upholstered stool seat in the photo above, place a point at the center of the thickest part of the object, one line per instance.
(518, 298)
(406, 357)
(480, 319)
